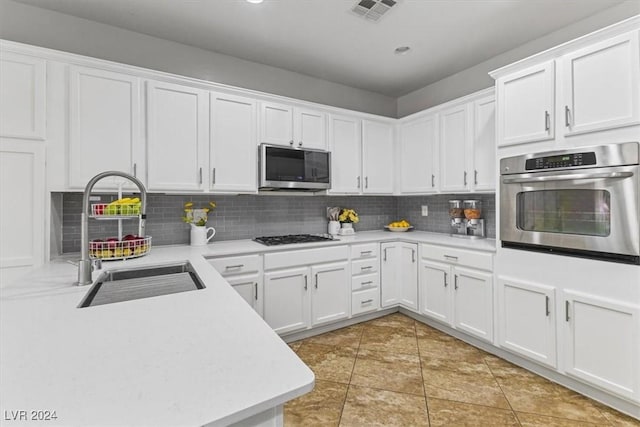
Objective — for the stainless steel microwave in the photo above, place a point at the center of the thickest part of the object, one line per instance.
(582, 202)
(288, 168)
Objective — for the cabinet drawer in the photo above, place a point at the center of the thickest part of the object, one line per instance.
(365, 301)
(229, 266)
(365, 266)
(475, 259)
(365, 282)
(365, 250)
(288, 259)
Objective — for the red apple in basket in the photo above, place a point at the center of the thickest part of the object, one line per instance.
(112, 242)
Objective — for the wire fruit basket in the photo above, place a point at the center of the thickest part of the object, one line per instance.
(113, 248)
(106, 210)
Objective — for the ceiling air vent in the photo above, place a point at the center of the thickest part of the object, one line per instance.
(373, 9)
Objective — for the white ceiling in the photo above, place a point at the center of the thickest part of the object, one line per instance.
(322, 38)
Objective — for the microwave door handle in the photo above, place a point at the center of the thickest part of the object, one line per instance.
(567, 177)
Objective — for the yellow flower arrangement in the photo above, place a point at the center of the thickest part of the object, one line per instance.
(348, 215)
(197, 216)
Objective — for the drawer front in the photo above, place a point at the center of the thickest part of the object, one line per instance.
(365, 266)
(231, 266)
(365, 301)
(288, 259)
(365, 250)
(455, 256)
(365, 282)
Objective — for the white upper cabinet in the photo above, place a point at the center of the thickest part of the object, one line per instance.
(285, 125)
(419, 155)
(23, 100)
(484, 144)
(177, 137)
(601, 85)
(377, 157)
(455, 141)
(233, 143)
(104, 132)
(526, 105)
(344, 144)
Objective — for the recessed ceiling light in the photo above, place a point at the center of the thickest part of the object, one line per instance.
(255, 1)
(402, 50)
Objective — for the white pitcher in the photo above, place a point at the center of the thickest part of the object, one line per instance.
(200, 235)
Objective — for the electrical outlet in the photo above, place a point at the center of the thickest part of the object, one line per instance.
(425, 210)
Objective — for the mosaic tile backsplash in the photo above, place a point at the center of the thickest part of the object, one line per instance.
(249, 216)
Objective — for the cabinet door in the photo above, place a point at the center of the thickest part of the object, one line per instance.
(233, 143)
(344, 144)
(473, 302)
(250, 289)
(602, 339)
(286, 299)
(408, 275)
(527, 320)
(602, 85)
(331, 291)
(177, 137)
(104, 131)
(484, 144)
(276, 124)
(418, 155)
(390, 287)
(23, 100)
(377, 157)
(435, 278)
(22, 207)
(310, 129)
(526, 105)
(455, 141)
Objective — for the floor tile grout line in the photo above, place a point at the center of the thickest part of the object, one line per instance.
(344, 401)
(424, 388)
(484, 360)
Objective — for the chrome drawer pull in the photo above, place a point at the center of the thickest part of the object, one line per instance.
(368, 267)
(455, 258)
(367, 301)
(369, 282)
(365, 253)
(229, 267)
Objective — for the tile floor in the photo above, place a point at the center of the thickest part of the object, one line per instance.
(394, 371)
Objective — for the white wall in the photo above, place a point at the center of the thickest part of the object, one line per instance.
(40, 27)
(477, 77)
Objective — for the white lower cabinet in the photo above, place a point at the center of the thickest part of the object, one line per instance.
(244, 274)
(602, 343)
(527, 320)
(250, 289)
(306, 288)
(399, 275)
(456, 293)
(365, 280)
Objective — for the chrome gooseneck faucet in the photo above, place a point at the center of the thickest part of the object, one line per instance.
(84, 266)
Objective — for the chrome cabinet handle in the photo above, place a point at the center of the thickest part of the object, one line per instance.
(547, 122)
(368, 267)
(358, 182)
(368, 282)
(475, 177)
(385, 254)
(567, 113)
(548, 312)
(291, 142)
(465, 177)
(229, 267)
(445, 280)
(367, 301)
(255, 287)
(213, 175)
(300, 144)
(413, 255)
(316, 280)
(200, 174)
(455, 281)
(365, 253)
(433, 180)
(306, 285)
(451, 257)
(135, 169)
(566, 311)
(366, 182)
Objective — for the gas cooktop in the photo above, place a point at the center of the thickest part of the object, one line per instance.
(292, 238)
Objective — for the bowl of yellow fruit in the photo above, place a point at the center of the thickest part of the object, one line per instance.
(399, 226)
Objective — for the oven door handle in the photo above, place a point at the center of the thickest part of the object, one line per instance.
(567, 177)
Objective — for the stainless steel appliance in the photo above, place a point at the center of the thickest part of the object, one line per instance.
(466, 218)
(288, 168)
(581, 202)
(292, 238)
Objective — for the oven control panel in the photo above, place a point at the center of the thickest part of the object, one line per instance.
(561, 161)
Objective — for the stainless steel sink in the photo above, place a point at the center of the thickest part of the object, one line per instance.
(130, 284)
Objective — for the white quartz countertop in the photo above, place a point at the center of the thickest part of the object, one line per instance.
(184, 359)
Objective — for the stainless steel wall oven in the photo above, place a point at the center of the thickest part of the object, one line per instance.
(581, 202)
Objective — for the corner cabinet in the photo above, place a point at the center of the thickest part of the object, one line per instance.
(399, 275)
(23, 101)
(345, 136)
(484, 144)
(456, 288)
(177, 137)
(377, 157)
(419, 151)
(104, 125)
(527, 319)
(233, 150)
